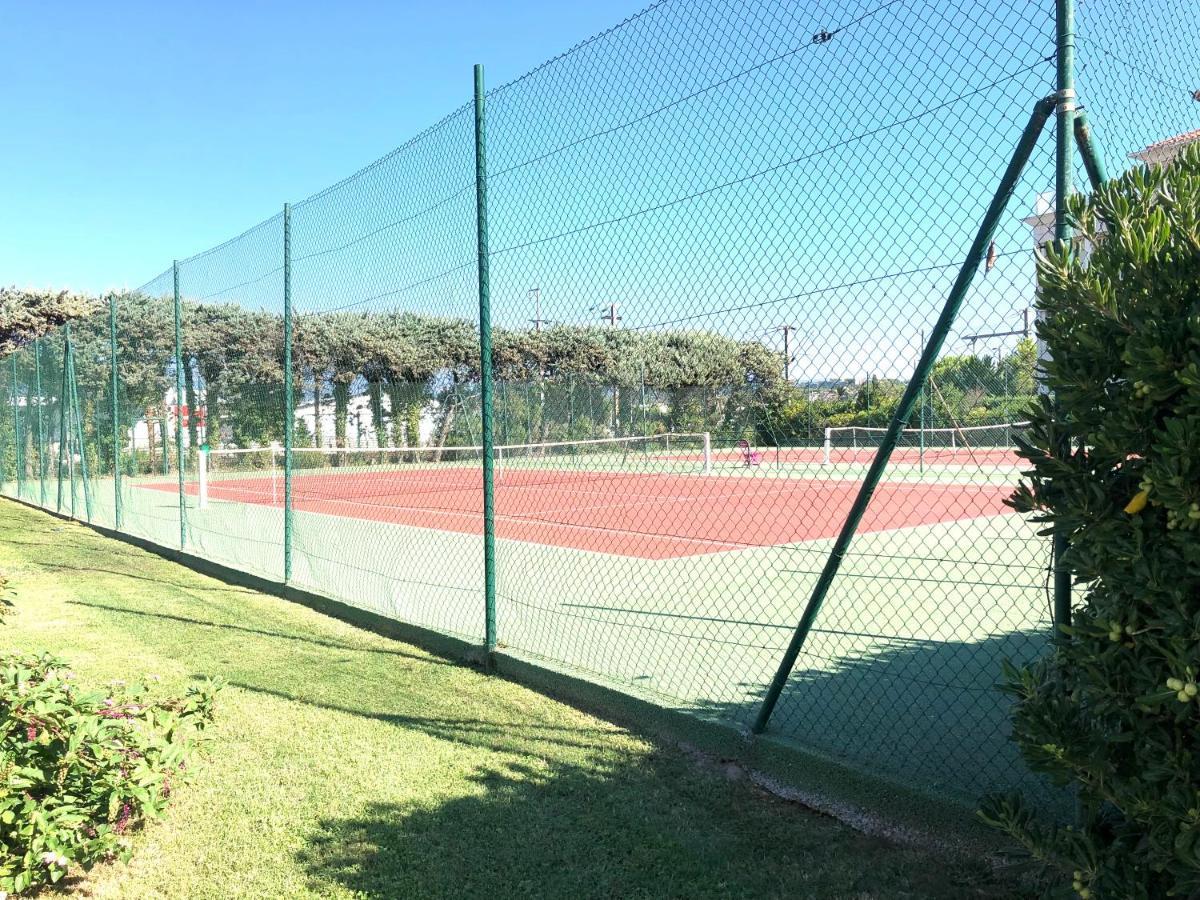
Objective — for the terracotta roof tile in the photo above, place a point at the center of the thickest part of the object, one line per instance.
(1178, 140)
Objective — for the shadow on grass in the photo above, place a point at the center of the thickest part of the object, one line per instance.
(158, 580)
(546, 810)
(610, 825)
(501, 736)
(203, 623)
(926, 713)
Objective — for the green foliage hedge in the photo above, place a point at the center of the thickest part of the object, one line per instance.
(1115, 710)
(561, 383)
(79, 768)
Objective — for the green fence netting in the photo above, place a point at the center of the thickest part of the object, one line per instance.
(716, 241)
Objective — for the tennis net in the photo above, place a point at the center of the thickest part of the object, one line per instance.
(966, 445)
(256, 475)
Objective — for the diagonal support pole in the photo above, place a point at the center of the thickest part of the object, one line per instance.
(975, 256)
(1092, 162)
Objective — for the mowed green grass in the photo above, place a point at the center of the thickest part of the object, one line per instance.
(345, 764)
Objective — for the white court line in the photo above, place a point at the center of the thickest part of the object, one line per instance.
(472, 516)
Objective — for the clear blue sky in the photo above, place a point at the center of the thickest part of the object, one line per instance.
(709, 165)
(137, 132)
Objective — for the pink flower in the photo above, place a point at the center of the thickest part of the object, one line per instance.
(123, 818)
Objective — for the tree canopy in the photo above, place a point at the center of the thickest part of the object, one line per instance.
(25, 315)
(564, 382)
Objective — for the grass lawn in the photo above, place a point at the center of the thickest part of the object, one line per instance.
(348, 765)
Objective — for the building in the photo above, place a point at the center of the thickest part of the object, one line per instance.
(1041, 223)
(360, 426)
(1163, 152)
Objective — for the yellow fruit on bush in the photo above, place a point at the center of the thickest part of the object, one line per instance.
(1138, 503)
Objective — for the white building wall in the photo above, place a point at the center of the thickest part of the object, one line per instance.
(360, 427)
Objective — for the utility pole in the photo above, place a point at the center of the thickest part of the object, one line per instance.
(1002, 371)
(1024, 331)
(787, 351)
(537, 320)
(612, 318)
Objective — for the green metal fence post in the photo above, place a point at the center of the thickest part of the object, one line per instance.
(166, 454)
(1064, 166)
(179, 405)
(63, 434)
(921, 408)
(18, 439)
(3, 464)
(975, 257)
(485, 369)
(116, 417)
(68, 393)
(77, 412)
(29, 435)
(41, 427)
(289, 400)
(1087, 150)
(12, 401)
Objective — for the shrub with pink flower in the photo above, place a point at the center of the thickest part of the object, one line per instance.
(80, 769)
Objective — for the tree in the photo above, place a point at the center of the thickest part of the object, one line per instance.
(145, 360)
(333, 346)
(25, 315)
(432, 345)
(234, 357)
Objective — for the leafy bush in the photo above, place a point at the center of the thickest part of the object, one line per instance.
(1115, 710)
(79, 769)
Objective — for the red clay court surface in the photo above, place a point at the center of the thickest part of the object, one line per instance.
(647, 516)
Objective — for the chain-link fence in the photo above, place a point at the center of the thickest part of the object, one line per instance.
(716, 241)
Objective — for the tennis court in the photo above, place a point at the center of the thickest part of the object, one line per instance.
(707, 562)
(649, 502)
